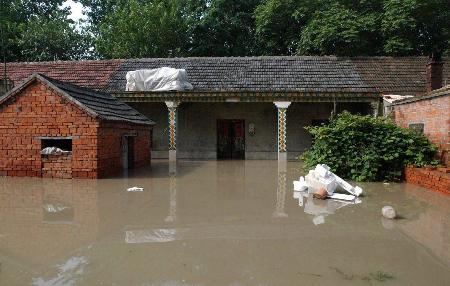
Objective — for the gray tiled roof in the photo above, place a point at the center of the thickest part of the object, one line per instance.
(386, 75)
(397, 75)
(304, 74)
(99, 104)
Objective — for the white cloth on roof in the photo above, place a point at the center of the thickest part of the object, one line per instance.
(160, 79)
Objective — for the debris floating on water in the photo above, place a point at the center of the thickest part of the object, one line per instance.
(135, 189)
(323, 183)
(388, 212)
(344, 197)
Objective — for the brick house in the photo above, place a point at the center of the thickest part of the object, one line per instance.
(99, 134)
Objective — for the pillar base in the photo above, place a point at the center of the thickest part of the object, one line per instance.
(172, 155)
(282, 162)
(282, 156)
(172, 168)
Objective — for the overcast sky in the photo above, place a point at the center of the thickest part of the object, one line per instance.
(76, 8)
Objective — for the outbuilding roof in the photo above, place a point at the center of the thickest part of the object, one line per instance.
(98, 104)
(385, 75)
(444, 91)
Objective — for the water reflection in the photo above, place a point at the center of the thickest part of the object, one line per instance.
(279, 211)
(320, 208)
(67, 273)
(172, 216)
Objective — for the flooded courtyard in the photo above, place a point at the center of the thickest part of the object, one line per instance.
(217, 223)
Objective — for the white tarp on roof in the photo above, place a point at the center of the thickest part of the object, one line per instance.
(160, 79)
(390, 98)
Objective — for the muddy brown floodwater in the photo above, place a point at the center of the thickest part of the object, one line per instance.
(217, 223)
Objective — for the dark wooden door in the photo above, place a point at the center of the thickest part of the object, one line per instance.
(230, 139)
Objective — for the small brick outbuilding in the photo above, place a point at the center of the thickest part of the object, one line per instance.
(99, 134)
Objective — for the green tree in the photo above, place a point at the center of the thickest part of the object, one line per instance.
(226, 28)
(341, 31)
(279, 23)
(53, 37)
(99, 9)
(353, 27)
(154, 29)
(416, 27)
(40, 30)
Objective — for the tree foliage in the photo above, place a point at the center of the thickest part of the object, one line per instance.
(168, 28)
(354, 27)
(156, 29)
(416, 27)
(364, 148)
(40, 30)
(355, 34)
(226, 28)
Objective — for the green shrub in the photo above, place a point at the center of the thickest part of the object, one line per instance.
(364, 148)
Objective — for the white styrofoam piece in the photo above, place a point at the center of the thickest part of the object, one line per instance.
(343, 197)
(300, 185)
(322, 170)
(315, 182)
(135, 189)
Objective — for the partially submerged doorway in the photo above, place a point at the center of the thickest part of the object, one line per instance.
(231, 139)
(127, 152)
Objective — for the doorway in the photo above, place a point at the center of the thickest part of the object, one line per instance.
(231, 139)
(127, 152)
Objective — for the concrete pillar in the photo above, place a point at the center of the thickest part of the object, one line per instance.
(172, 108)
(375, 105)
(282, 107)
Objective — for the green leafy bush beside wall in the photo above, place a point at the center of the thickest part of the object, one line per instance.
(364, 148)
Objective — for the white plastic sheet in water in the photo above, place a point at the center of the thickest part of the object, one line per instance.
(135, 189)
(160, 79)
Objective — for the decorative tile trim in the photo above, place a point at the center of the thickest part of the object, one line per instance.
(282, 129)
(172, 128)
(202, 96)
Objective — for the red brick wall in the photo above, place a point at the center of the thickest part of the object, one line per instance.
(38, 111)
(57, 166)
(110, 146)
(430, 179)
(435, 114)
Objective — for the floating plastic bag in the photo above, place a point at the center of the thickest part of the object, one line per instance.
(322, 178)
(135, 189)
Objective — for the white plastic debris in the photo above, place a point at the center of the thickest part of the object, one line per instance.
(135, 189)
(160, 79)
(300, 185)
(320, 209)
(53, 151)
(322, 178)
(388, 212)
(54, 208)
(343, 197)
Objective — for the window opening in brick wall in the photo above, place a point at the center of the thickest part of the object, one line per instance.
(417, 127)
(63, 144)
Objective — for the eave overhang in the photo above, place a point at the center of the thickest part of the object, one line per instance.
(246, 96)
